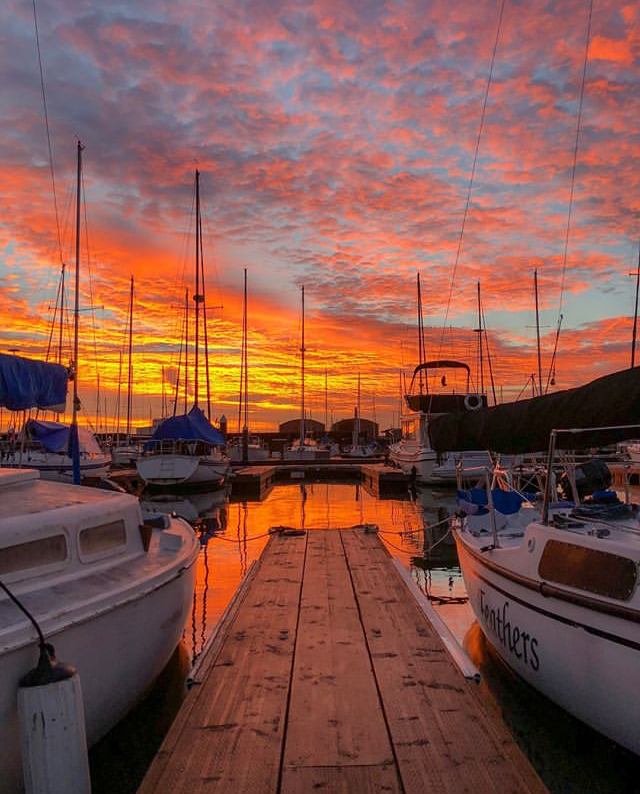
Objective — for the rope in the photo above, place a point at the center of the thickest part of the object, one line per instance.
(573, 181)
(46, 124)
(473, 171)
(413, 531)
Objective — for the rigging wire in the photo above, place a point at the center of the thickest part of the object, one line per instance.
(571, 191)
(473, 172)
(46, 123)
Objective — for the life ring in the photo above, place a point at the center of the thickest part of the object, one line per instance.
(473, 402)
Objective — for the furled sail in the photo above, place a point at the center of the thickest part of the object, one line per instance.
(26, 383)
(524, 426)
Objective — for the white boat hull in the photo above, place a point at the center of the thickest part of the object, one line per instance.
(413, 458)
(172, 469)
(585, 661)
(118, 654)
(56, 467)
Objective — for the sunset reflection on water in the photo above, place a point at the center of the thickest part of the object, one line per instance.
(235, 534)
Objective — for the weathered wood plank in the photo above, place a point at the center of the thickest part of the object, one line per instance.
(231, 738)
(335, 717)
(378, 779)
(439, 733)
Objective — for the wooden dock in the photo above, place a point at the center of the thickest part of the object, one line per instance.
(255, 482)
(327, 677)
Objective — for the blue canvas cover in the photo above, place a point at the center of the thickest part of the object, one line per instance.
(53, 436)
(193, 426)
(474, 501)
(26, 383)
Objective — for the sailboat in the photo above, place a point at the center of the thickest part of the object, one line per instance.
(413, 453)
(49, 446)
(126, 454)
(358, 449)
(303, 448)
(558, 598)
(246, 448)
(187, 449)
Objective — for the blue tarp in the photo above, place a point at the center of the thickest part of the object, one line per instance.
(25, 383)
(53, 436)
(505, 502)
(193, 426)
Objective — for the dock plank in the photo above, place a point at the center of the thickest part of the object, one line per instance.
(232, 737)
(335, 717)
(438, 731)
(377, 779)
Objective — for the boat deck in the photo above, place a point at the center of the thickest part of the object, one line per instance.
(326, 676)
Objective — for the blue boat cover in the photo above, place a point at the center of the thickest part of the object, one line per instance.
(505, 502)
(193, 426)
(25, 383)
(53, 436)
(56, 437)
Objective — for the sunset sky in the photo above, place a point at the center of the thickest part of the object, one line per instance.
(335, 142)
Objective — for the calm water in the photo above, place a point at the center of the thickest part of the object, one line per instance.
(570, 758)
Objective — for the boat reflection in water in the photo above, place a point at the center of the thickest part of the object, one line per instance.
(570, 758)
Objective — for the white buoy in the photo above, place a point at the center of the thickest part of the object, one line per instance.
(53, 738)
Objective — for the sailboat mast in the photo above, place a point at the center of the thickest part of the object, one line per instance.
(74, 444)
(326, 402)
(421, 345)
(356, 424)
(302, 351)
(635, 315)
(118, 399)
(480, 352)
(130, 365)
(186, 348)
(197, 297)
(245, 352)
(535, 287)
(61, 314)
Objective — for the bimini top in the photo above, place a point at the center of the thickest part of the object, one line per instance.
(26, 383)
(54, 437)
(193, 426)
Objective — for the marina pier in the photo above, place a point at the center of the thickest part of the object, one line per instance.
(325, 675)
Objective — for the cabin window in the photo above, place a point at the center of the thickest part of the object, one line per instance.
(104, 537)
(588, 569)
(33, 554)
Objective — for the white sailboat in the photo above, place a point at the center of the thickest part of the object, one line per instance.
(126, 454)
(47, 446)
(557, 595)
(187, 449)
(246, 448)
(303, 448)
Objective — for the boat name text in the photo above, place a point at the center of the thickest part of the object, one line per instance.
(519, 643)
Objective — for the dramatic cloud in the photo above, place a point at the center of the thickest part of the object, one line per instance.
(335, 142)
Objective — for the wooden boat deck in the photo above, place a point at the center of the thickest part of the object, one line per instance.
(327, 677)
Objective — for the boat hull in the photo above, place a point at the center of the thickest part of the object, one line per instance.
(166, 469)
(118, 654)
(413, 458)
(58, 468)
(582, 659)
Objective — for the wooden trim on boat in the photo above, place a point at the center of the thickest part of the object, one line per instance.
(551, 591)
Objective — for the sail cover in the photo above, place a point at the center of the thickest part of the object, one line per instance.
(525, 426)
(193, 426)
(26, 383)
(54, 437)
